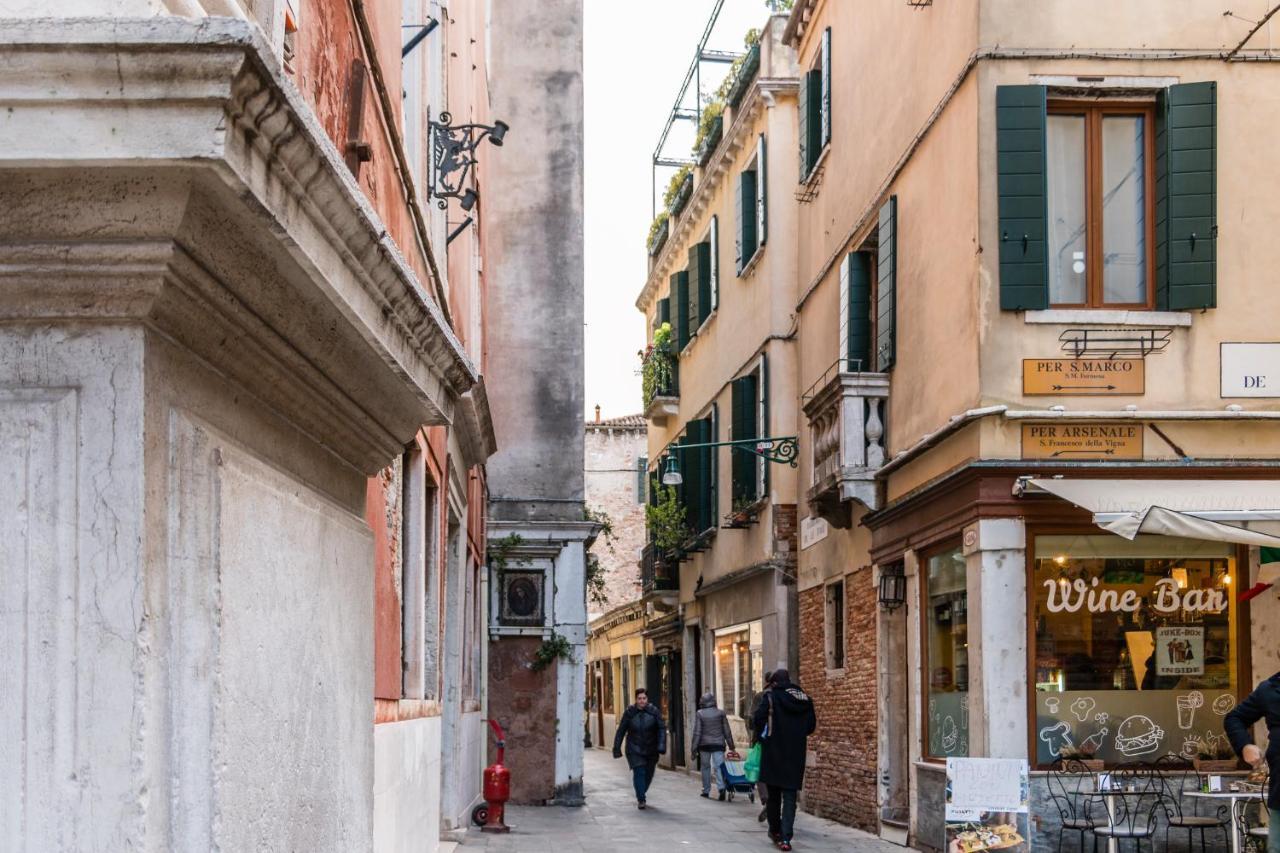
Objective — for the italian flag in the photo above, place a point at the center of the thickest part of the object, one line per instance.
(1268, 573)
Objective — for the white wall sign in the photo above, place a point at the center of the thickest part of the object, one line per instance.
(813, 531)
(1250, 369)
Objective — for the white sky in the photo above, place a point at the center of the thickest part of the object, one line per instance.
(636, 54)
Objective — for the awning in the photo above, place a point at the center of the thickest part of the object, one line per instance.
(1246, 512)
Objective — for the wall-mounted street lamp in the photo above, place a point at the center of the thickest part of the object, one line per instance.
(780, 450)
(453, 154)
(893, 587)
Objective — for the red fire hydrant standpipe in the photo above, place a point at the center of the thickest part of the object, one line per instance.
(497, 789)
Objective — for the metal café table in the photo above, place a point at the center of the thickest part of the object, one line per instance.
(1236, 798)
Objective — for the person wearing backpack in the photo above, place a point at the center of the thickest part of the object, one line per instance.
(785, 719)
(711, 735)
(646, 736)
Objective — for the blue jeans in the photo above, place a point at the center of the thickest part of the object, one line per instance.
(711, 762)
(1273, 837)
(642, 778)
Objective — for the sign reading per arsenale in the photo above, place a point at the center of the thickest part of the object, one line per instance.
(1082, 441)
(1083, 376)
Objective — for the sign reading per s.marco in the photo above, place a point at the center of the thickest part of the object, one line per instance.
(1066, 377)
(1082, 441)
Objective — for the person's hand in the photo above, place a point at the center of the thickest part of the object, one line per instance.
(617, 753)
(1252, 755)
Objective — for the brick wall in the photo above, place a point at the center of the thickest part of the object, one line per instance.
(841, 784)
(610, 468)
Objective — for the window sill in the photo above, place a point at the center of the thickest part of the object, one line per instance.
(833, 674)
(1064, 316)
(751, 264)
(811, 176)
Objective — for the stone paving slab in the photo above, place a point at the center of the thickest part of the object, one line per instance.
(677, 819)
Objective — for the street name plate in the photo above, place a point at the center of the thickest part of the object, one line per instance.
(1250, 369)
(1077, 377)
(1082, 441)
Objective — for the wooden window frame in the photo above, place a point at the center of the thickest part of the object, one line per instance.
(1093, 113)
(1244, 624)
(922, 572)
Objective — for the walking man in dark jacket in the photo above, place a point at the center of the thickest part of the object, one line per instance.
(646, 735)
(784, 720)
(711, 735)
(1262, 703)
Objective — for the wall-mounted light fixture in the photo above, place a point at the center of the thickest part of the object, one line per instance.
(893, 587)
(782, 449)
(453, 154)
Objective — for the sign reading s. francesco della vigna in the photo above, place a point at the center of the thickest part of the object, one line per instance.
(1066, 377)
(1082, 441)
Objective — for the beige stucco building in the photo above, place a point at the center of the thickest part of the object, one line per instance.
(1019, 289)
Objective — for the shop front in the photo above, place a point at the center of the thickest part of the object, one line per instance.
(1081, 617)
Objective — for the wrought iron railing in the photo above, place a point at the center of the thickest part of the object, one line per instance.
(658, 572)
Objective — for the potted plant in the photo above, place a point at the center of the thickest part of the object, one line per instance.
(657, 366)
(1215, 755)
(743, 70)
(745, 513)
(710, 130)
(1084, 757)
(665, 518)
(680, 190)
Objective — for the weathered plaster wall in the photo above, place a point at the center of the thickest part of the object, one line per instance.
(526, 710)
(406, 785)
(610, 466)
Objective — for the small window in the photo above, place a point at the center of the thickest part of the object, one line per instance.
(1099, 161)
(642, 479)
(834, 623)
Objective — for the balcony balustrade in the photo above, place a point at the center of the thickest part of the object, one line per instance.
(658, 573)
(846, 432)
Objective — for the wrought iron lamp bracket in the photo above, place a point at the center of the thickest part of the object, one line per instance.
(783, 449)
(453, 155)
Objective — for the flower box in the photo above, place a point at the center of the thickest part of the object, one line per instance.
(682, 195)
(746, 74)
(659, 237)
(1212, 766)
(711, 141)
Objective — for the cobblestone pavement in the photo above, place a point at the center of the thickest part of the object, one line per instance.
(677, 819)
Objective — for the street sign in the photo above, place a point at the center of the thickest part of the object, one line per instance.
(1250, 369)
(1080, 377)
(1082, 441)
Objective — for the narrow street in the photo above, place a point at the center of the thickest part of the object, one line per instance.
(677, 818)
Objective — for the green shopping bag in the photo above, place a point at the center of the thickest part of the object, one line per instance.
(751, 768)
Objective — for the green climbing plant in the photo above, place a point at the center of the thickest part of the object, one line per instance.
(555, 647)
(666, 519)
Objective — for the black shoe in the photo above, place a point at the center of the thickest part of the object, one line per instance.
(722, 796)
(775, 837)
(763, 814)
(640, 804)
(705, 794)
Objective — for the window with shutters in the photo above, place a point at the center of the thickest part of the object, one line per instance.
(698, 490)
(750, 203)
(814, 105)
(1099, 176)
(749, 418)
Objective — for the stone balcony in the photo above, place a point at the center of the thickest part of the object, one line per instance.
(846, 431)
(661, 407)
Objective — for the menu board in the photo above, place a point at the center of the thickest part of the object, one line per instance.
(987, 805)
(1129, 725)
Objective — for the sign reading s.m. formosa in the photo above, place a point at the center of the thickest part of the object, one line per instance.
(1078, 377)
(1082, 441)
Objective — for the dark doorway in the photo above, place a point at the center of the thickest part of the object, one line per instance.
(671, 687)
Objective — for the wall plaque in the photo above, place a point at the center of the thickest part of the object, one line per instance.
(1078, 377)
(1082, 441)
(1250, 369)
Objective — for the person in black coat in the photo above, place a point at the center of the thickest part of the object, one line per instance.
(784, 720)
(1262, 703)
(646, 735)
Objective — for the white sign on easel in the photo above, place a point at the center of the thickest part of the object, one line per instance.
(988, 803)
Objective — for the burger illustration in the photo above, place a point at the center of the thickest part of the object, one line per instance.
(1138, 735)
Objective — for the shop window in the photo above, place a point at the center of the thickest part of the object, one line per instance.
(608, 686)
(624, 665)
(834, 624)
(1135, 647)
(739, 667)
(946, 630)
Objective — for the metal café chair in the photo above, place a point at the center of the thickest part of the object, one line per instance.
(1177, 775)
(1252, 827)
(1070, 787)
(1135, 814)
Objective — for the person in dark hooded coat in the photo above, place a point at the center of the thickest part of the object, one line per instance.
(785, 719)
(1262, 704)
(646, 736)
(711, 736)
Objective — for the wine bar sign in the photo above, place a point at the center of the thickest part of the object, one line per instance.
(1084, 377)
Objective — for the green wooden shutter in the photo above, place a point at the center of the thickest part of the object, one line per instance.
(1186, 198)
(858, 337)
(825, 68)
(762, 184)
(744, 396)
(642, 475)
(887, 286)
(746, 205)
(700, 279)
(713, 456)
(765, 426)
(715, 262)
(802, 125)
(680, 287)
(696, 465)
(1020, 175)
(813, 83)
(663, 312)
(696, 311)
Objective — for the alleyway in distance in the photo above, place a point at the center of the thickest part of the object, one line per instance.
(677, 818)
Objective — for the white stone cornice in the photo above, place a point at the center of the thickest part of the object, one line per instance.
(716, 171)
(145, 162)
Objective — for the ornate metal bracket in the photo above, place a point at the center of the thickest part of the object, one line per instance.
(784, 449)
(453, 155)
